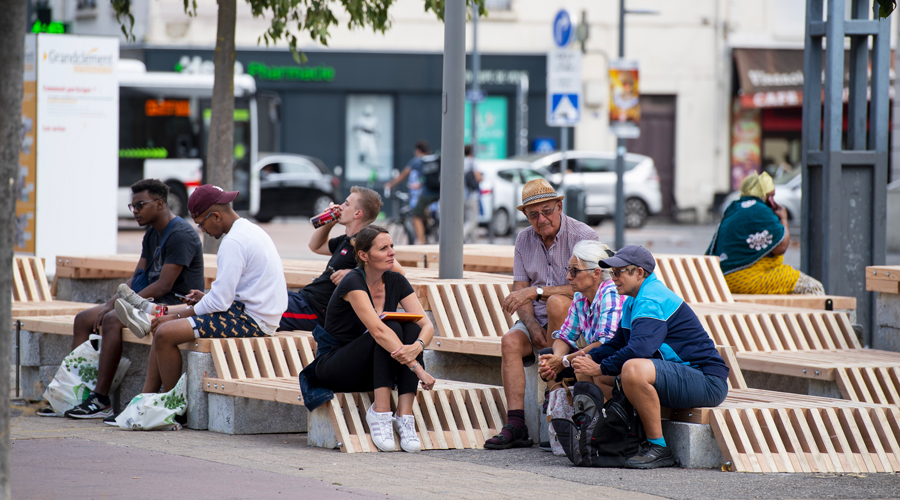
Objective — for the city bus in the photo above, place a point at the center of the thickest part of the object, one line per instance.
(164, 122)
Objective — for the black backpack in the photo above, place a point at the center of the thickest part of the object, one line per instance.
(431, 172)
(600, 434)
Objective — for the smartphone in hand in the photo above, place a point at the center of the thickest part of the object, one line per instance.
(185, 299)
(770, 200)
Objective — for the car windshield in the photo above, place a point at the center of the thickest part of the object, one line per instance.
(786, 177)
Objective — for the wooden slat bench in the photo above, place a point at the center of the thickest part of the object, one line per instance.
(31, 292)
(476, 257)
(454, 415)
(698, 279)
(768, 431)
(818, 345)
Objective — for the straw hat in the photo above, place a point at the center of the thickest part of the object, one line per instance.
(538, 191)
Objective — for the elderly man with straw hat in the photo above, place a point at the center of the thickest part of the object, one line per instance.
(541, 297)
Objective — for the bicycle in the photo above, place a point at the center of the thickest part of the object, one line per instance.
(401, 227)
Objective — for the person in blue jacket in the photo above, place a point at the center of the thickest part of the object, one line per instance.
(660, 350)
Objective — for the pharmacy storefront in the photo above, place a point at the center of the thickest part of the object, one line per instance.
(364, 111)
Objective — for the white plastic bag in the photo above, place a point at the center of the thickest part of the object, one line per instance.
(559, 406)
(77, 376)
(152, 411)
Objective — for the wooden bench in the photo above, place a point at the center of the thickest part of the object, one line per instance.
(698, 279)
(768, 431)
(818, 345)
(31, 293)
(454, 415)
(476, 257)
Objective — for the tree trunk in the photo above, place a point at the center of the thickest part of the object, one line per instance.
(12, 57)
(220, 153)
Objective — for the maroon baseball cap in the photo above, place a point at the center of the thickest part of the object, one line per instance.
(206, 196)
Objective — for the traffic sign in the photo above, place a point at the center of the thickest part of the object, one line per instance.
(562, 29)
(564, 102)
(475, 96)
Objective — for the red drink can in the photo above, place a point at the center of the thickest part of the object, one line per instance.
(326, 217)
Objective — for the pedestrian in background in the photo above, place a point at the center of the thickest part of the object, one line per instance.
(472, 205)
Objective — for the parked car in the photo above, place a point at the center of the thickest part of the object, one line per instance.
(595, 173)
(501, 192)
(285, 184)
(788, 193)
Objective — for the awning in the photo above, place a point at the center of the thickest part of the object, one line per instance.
(773, 78)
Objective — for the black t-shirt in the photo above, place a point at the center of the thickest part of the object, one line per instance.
(341, 320)
(318, 293)
(182, 248)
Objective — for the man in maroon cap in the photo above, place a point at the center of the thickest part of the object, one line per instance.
(246, 299)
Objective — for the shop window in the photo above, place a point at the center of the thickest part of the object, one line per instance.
(498, 4)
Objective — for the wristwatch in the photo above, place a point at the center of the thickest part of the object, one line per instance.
(566, 362)
(540, 292)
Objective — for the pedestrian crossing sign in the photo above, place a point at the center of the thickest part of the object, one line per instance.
(564, 109)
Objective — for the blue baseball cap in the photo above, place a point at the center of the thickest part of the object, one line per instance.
(631, 255)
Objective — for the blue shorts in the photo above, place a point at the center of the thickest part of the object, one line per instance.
(299, 315)
(680, 386)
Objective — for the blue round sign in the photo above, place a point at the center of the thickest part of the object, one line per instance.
(562, 29)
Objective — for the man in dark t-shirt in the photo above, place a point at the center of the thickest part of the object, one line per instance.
(162, 271)
(306, 308)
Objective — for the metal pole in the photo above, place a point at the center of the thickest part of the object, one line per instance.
(563, 147)
(452, 140)
(476, 85)
(620, 150)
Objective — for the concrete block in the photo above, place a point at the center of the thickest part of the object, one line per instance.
(29, 348)
(94, 291)
(234, 415)
(320, 430)
(694, 445)
(133, 382)
(886, 338)
(463, 367)
(199, 364)
(887, 310)
(53, 348)
(534, 401)
(34, 381)
(793, 385)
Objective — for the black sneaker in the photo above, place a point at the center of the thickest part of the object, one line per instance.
(545, 446)
(520, 439)
(651, 456)
(111, 420)
(47, 411)
(92, 408)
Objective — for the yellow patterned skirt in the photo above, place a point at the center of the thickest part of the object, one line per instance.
(770, 275)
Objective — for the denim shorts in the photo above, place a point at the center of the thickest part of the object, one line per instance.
(680, 386)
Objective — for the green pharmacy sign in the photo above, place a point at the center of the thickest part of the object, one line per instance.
(492, 125)
(291, 73)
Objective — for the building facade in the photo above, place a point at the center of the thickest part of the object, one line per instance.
(694, 105)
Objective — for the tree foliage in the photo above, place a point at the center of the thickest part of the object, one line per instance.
(883, 8)
(291, 18)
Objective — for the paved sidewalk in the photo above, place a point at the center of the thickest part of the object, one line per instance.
(59, 458)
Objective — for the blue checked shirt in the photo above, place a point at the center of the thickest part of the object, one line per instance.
(596, 321)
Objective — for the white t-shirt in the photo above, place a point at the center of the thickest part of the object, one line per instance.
(249, 270)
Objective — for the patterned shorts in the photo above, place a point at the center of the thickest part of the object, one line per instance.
(228, 324)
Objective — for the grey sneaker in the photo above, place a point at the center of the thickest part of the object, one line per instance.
(381, 428)
(131, 297)
(136, 321)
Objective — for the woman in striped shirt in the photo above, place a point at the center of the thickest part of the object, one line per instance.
(593, 316)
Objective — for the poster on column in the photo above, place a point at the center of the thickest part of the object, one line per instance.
(746, 143)
(370, 137)
(23, 238)
(491, 128)
(77, 146)
(624, 99)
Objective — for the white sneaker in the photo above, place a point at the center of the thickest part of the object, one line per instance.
(406, 427)
(381, 429)
(136, 321)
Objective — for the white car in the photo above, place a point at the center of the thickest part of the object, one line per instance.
(595, 173)
(788, 193)
(501, 192)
